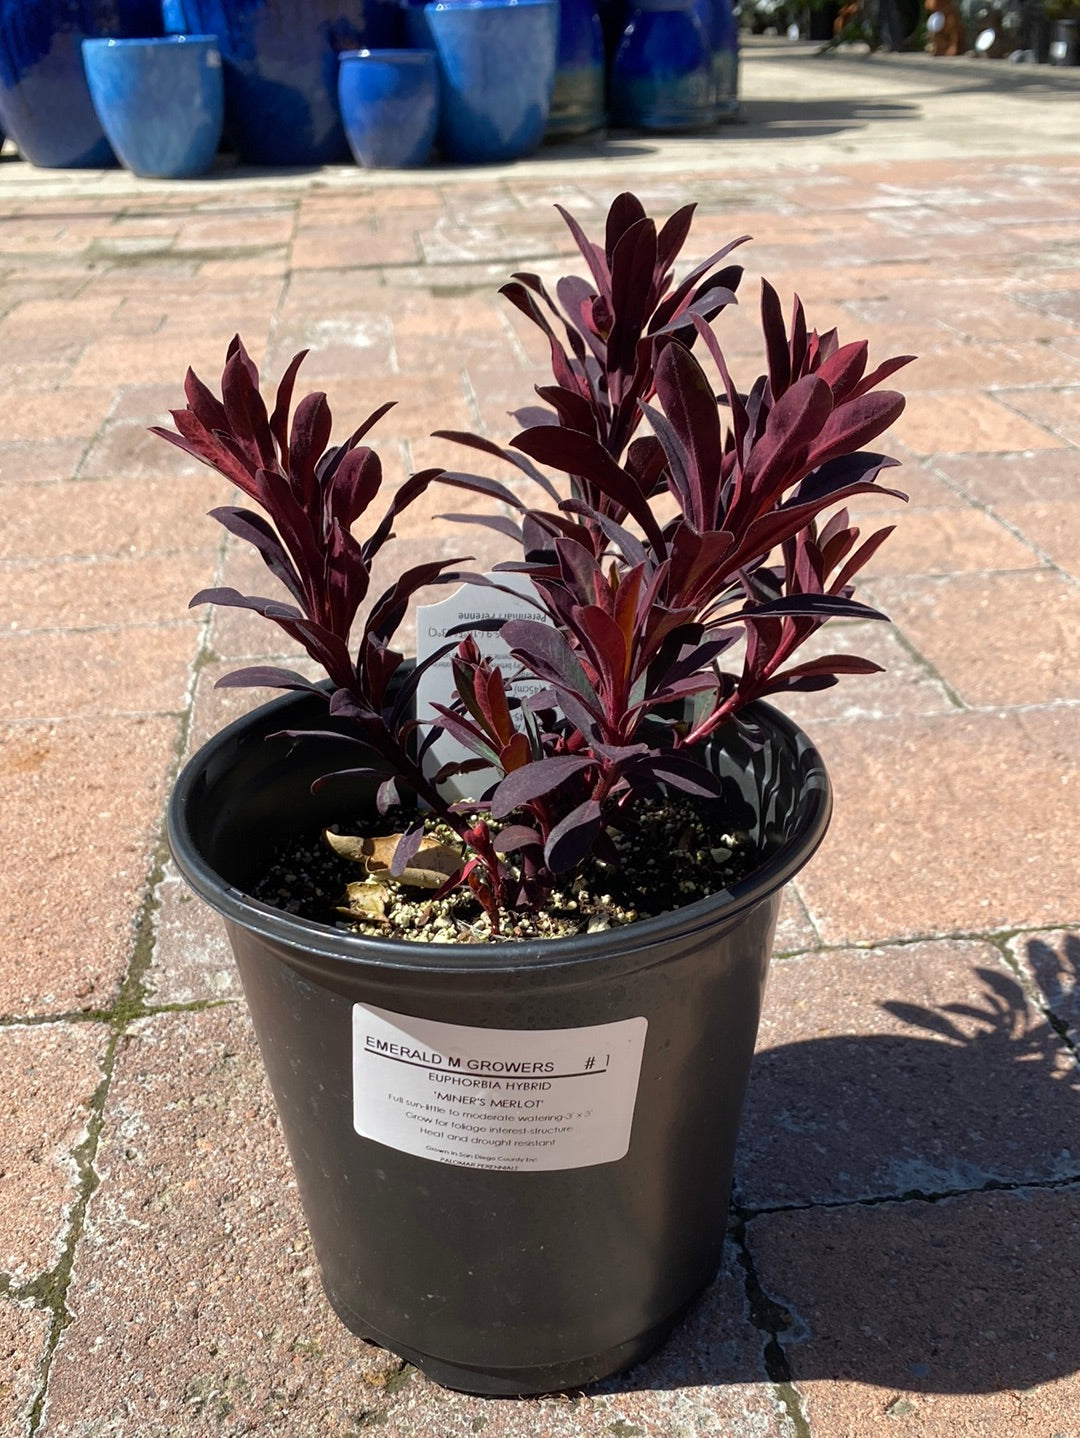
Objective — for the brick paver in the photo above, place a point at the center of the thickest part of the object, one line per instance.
(902, 1248)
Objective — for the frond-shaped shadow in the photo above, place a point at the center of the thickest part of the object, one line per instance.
(1056, 970)
(911, 1203)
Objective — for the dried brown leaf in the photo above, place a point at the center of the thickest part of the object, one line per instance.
(366, 901)
(431, 866)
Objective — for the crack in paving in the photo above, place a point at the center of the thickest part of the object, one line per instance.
(49, 1291)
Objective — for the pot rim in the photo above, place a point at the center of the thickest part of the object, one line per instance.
(451, 7)
(325, 942)
(144, 42)
(390, 55)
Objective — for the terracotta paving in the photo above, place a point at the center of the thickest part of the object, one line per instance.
(904, 1240)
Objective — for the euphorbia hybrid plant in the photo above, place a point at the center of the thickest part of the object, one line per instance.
(694, 538)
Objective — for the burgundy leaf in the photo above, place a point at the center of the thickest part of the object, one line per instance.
(279, 420)
(687, 775)
(245, 411)
(407, 849)
(625, 211)
(573, 837)
(857, 423)
(861, 557)
(496, 452)
(576, 453)
(675, 302)
(516, 837)
(592, 254)
(548, 654)
(689, 404)
(355, 482)
(269, 677)
(389, 610)
(672, 237)
(843, 370)
(535, 781)
(776, 345)
(308, 439)
(883, 371)
(831, 664)
(255, 531)
(793, 425)
(825, 605)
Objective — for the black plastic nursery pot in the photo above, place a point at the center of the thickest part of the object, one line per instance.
(514, 1159)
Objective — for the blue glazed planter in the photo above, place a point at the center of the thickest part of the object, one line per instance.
(45, 103)
(577, 101)
(496, 72)
(390, 106)
(281, 70)
(160, 102)
(718, 21)
(662, 77)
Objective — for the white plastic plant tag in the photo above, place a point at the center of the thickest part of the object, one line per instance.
(472, 603)
(522, 1100)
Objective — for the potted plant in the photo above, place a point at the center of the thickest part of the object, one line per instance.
(510, 1076)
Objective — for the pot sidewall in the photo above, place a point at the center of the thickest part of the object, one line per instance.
(500, 1281)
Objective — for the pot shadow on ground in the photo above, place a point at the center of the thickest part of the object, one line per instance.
(795, 119)
(762, 120)
(909, 1205)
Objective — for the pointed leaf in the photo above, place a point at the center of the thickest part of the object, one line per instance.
(573, 837)
(535, 781)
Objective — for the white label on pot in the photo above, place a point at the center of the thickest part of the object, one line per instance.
(471, 604)
(515, 1099)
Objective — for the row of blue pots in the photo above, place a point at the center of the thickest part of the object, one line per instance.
(465, 82)
(281, 73)
(674, 67)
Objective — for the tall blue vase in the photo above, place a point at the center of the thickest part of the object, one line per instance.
(496, 72)
(160, 101)
(45, 104)
(662, 73)
(281, 70)
(577, 101)
(389, 106)
(720, 25)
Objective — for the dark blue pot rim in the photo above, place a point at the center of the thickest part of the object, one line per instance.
(146, 42)
(395, 57)
(443, 8)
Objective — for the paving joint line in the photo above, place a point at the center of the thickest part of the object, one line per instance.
(747, 1213)
(50, 1290)
(768, 1317)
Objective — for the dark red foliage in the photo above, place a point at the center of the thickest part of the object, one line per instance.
(760, 548)
(313, 495)
(696, 523)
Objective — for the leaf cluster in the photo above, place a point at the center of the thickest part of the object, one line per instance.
(757, 555)
(695, 538)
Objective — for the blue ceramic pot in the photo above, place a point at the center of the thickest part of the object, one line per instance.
(390, 106)
(722, 29)
(174, 17)
(496, 73)
(662, 75)
(45, 103)
(160, 102)
(577, 101)
(281, 70)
